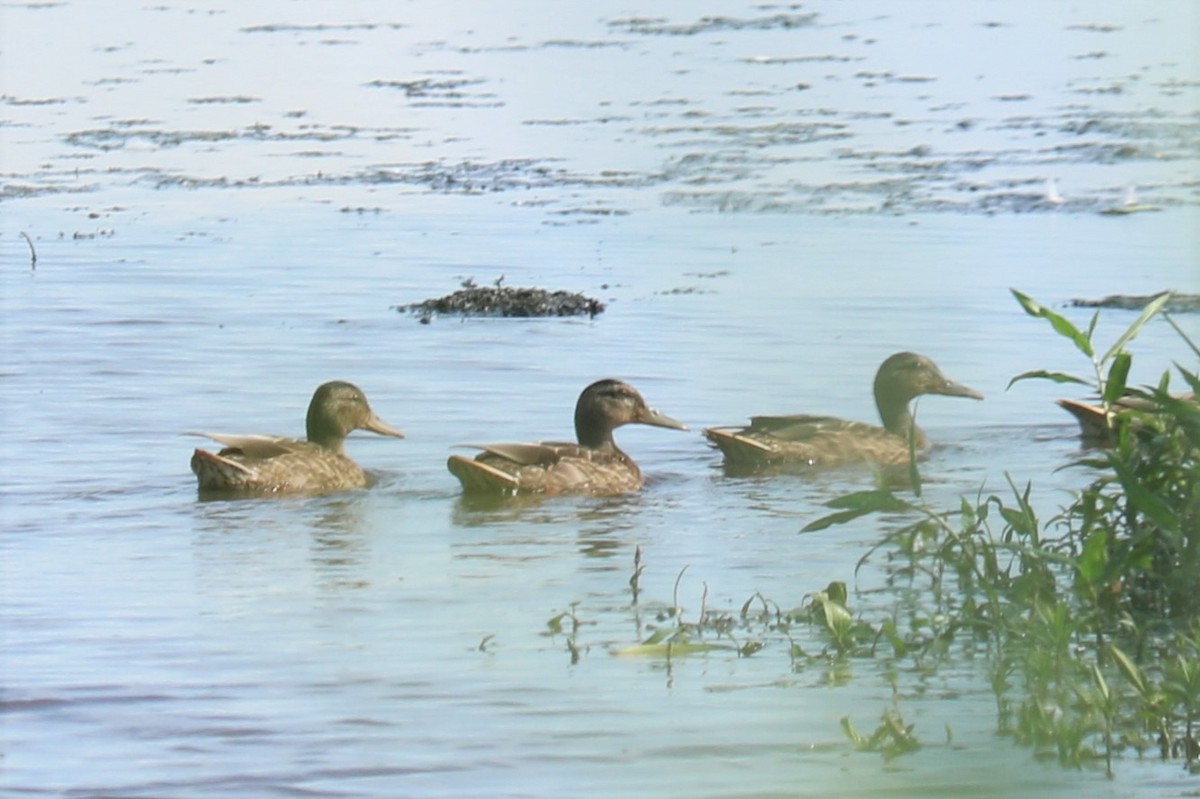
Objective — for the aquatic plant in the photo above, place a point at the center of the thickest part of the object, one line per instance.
(1088, 622)
(1053, 603)
(1134, 532)
(891, 738)
(556, 626)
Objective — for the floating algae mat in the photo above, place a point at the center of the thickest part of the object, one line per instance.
(497, 300)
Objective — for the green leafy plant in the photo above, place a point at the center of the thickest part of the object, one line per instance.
(891, 738)
(1088, 622)
(1049, 601)
(1112, 368)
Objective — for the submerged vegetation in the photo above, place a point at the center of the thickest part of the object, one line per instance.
(1089, 621)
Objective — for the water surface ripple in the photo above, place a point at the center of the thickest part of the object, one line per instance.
(227, 202)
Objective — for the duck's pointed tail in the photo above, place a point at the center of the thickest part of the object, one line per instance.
(1093, 421)
(215, 473)
(477, 476)
(738, 449)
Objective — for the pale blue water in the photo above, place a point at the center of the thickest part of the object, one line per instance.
(227, 200)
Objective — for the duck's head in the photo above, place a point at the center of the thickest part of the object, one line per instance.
(906, 375)
(337, 408)
(606, 405)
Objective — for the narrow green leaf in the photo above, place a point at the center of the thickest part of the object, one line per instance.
(1146, 501)
(1042, 374)
(841, 517)
(1028, 303)
(1101, 683)
(1192, 379)
(1026, 523)
(1152, 307)
(1186, 340)
(1129, 669)
(856, 504)
(1015, 518)
(914, 473)
(670, 649)
(659, 635)
(1061, 324)
(875, 499)
(1114, 386)
(967, 514)
(1186, 414)
(1094, 558)
(856, 737)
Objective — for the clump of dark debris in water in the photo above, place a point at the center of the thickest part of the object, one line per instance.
(501, 300)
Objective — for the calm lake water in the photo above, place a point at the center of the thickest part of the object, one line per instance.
(227, 200)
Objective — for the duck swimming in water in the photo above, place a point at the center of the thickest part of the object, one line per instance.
(822, 441)
(594, 465)
(260, 464)
(1098, 426)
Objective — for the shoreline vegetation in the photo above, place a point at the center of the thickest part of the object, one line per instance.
(1089, 621)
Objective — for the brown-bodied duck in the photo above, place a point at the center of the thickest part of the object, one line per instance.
(263, 464)
(592, 465)
(1098, 425)
(821, 441)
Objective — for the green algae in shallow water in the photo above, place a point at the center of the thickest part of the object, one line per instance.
(668, 644)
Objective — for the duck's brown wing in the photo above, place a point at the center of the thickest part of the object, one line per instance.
(508, 466)
(255, 447)
(530, 453)
(804, 439)
(803, 426)
(546, 467)
(313, 470)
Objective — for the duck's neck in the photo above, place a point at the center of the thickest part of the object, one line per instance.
(325, 435)
(593, 432)
(897, 419)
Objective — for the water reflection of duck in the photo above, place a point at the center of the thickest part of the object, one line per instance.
(259, 464)
(828, 441)
(1097, 425)
(594, 465)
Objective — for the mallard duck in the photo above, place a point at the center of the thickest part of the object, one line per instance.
(1097, 426)
(594, 465)
(258, 464)
(826, 441)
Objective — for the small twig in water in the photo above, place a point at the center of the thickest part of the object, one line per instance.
(637, 572)
(675, 609)
(32, 251)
